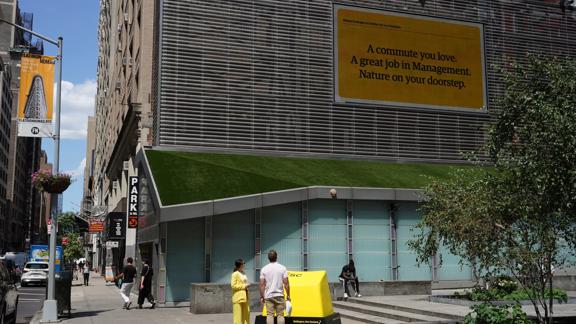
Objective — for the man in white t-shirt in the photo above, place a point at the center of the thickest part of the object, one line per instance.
(273, 281)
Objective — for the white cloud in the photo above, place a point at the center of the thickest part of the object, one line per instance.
(79, 171)
(77, 104)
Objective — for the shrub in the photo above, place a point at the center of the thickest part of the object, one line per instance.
(487, 313)
(504, 285)
(481, 294)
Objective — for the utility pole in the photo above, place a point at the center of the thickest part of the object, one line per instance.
(50, 310)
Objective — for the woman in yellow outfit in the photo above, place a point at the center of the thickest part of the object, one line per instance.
(240, 301)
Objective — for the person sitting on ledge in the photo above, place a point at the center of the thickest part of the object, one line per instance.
(348, 274)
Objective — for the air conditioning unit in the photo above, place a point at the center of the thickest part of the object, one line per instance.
(126, 17)
(118, 85)
(126, 165)
(119, 27)
(115, 185)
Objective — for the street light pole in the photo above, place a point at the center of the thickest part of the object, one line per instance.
(50, 310)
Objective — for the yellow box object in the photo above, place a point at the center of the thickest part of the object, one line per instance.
(310, 294)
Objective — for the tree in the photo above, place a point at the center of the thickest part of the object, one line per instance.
(516, 211)
(68, 227)
(74, 249)
(67, 223)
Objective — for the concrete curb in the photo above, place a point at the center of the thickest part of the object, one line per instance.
(36, 319)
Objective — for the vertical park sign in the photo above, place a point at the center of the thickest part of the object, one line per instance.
(406, 60)
(133, 206)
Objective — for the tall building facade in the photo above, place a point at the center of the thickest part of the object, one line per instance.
(123, 101)
(261, 78)
(24, 153)
(5, 121)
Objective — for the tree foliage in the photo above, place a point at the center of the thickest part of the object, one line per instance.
(67, 223)
(68, 227)
(74, 249)
(514, 213)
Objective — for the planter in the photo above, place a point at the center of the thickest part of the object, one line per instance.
(45, 181)
(57, 185)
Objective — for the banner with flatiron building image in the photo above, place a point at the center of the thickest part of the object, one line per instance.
(36, 96)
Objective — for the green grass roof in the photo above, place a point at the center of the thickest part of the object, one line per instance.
(183, 177)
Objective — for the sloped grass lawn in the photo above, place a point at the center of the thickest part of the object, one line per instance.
(183, 177)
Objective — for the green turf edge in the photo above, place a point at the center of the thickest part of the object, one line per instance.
(184, 177)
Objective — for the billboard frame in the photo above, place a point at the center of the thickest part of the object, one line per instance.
(341, 101)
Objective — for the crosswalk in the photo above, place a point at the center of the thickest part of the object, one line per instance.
(30, 300)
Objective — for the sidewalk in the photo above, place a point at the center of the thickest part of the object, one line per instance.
(101, 304)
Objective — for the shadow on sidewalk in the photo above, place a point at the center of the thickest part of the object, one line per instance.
(80, 314)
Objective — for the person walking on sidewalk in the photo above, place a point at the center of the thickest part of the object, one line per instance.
(240, 300)
(86, 274)
(274, 277)
(145, 291)
(128, 274)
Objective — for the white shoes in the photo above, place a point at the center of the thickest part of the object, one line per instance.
(345, 295)
(358, 295)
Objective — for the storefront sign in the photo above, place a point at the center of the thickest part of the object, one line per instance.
(406, 60)
(36, 95)
(112, 244)
(116, 226)
(96, 226)
(133, 198)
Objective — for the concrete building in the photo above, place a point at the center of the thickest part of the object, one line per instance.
(24, 153)
(123, 106)
(88, 211)
(233, 116)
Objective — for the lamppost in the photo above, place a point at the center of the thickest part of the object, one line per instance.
(50, 310)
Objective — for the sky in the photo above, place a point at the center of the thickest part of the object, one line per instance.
(77, 22)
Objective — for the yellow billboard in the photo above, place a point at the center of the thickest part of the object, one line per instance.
(36, 96)
(405, 60)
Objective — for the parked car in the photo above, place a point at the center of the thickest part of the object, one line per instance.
(34, 273)
(8, 296)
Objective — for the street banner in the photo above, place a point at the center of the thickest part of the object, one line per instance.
(96, 226)
(391, 58)
(36, 96)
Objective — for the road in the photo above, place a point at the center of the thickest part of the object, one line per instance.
(30, 300)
